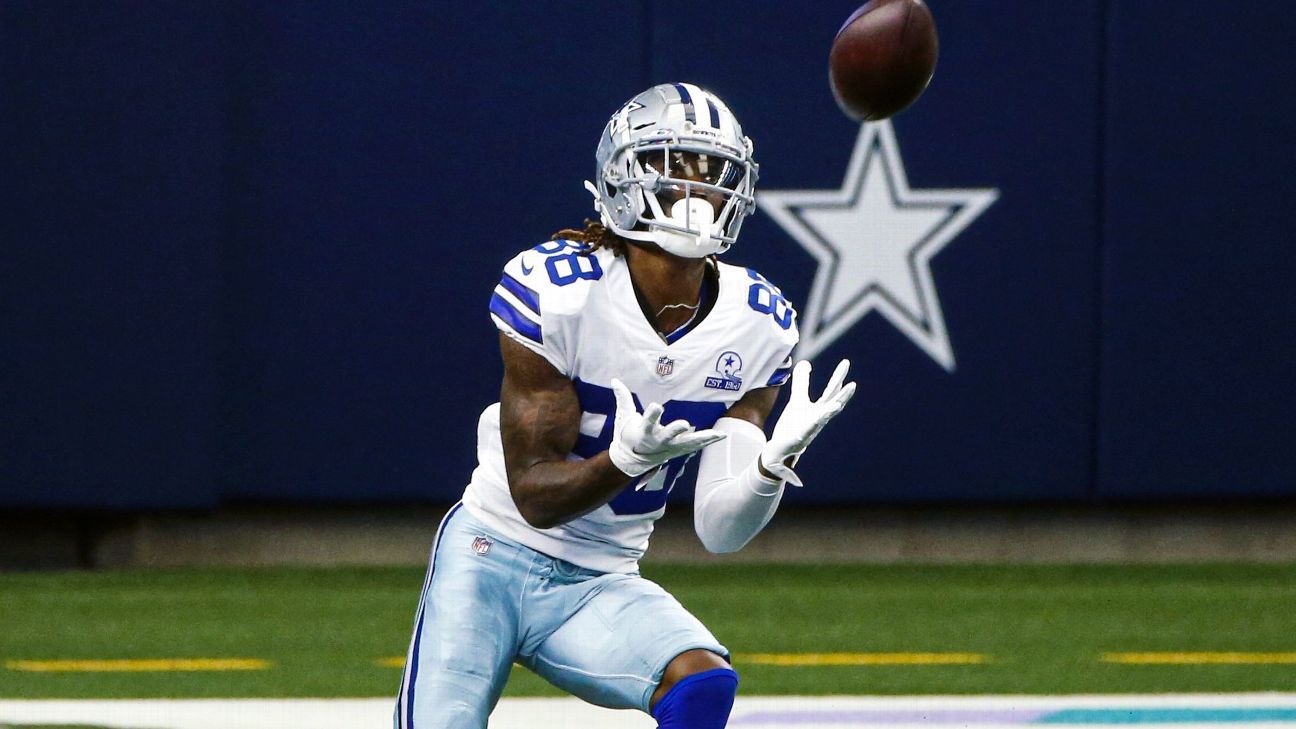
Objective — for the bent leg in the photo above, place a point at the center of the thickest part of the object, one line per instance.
(465, 633)
(615, 649)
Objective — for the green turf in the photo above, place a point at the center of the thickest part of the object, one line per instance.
(1045, 627)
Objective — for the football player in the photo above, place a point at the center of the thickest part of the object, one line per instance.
(628, 349)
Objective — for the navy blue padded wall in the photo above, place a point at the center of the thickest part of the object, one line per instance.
(1199, 307)
(113, 122)
(389, 161)
(249, 248)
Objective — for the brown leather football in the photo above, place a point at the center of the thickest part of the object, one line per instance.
(882, 58)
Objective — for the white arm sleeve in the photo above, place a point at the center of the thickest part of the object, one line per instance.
(733, 501)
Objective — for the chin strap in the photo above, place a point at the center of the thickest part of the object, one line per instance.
(680, 244)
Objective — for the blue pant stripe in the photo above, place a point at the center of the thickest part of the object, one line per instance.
(412, 668)
(414, 660)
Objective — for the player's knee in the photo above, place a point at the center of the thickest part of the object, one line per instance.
(686, 664)
(698, 701)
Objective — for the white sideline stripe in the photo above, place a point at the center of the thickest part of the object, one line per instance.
(567, 712)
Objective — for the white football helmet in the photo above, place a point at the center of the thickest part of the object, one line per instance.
(673, 168)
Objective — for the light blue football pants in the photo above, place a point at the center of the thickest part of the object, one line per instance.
(488, 602)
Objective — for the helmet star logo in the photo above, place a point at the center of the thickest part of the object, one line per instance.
(874, 240)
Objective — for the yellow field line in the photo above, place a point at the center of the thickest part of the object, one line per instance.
(1198, 658)
(139, 665)
(861, 659)
(825, 659)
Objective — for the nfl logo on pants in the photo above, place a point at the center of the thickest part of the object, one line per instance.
(481, 545)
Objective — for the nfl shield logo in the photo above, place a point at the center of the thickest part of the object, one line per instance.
(481, 545)
(665, 366)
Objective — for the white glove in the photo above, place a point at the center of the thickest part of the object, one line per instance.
(641, 443)
(802, 419)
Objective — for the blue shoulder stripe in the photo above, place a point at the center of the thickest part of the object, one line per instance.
(524, 293)
(516, 321)
(781, 374)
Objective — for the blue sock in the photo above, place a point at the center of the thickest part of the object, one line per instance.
(700, 701)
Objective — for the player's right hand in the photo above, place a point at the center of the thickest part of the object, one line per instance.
(641, 443)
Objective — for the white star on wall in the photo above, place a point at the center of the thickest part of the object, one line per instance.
(874, 239)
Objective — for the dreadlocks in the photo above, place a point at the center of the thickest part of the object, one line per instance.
(595, 236)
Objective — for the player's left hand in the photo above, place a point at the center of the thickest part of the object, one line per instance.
(803, 418)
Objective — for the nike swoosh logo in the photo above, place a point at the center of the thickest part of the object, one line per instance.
(526, 270)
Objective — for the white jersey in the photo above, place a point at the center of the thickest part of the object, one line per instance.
(580, 313)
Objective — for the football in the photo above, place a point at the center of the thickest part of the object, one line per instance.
(882, 58)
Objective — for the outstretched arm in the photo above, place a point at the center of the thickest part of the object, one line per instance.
(740, 482)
